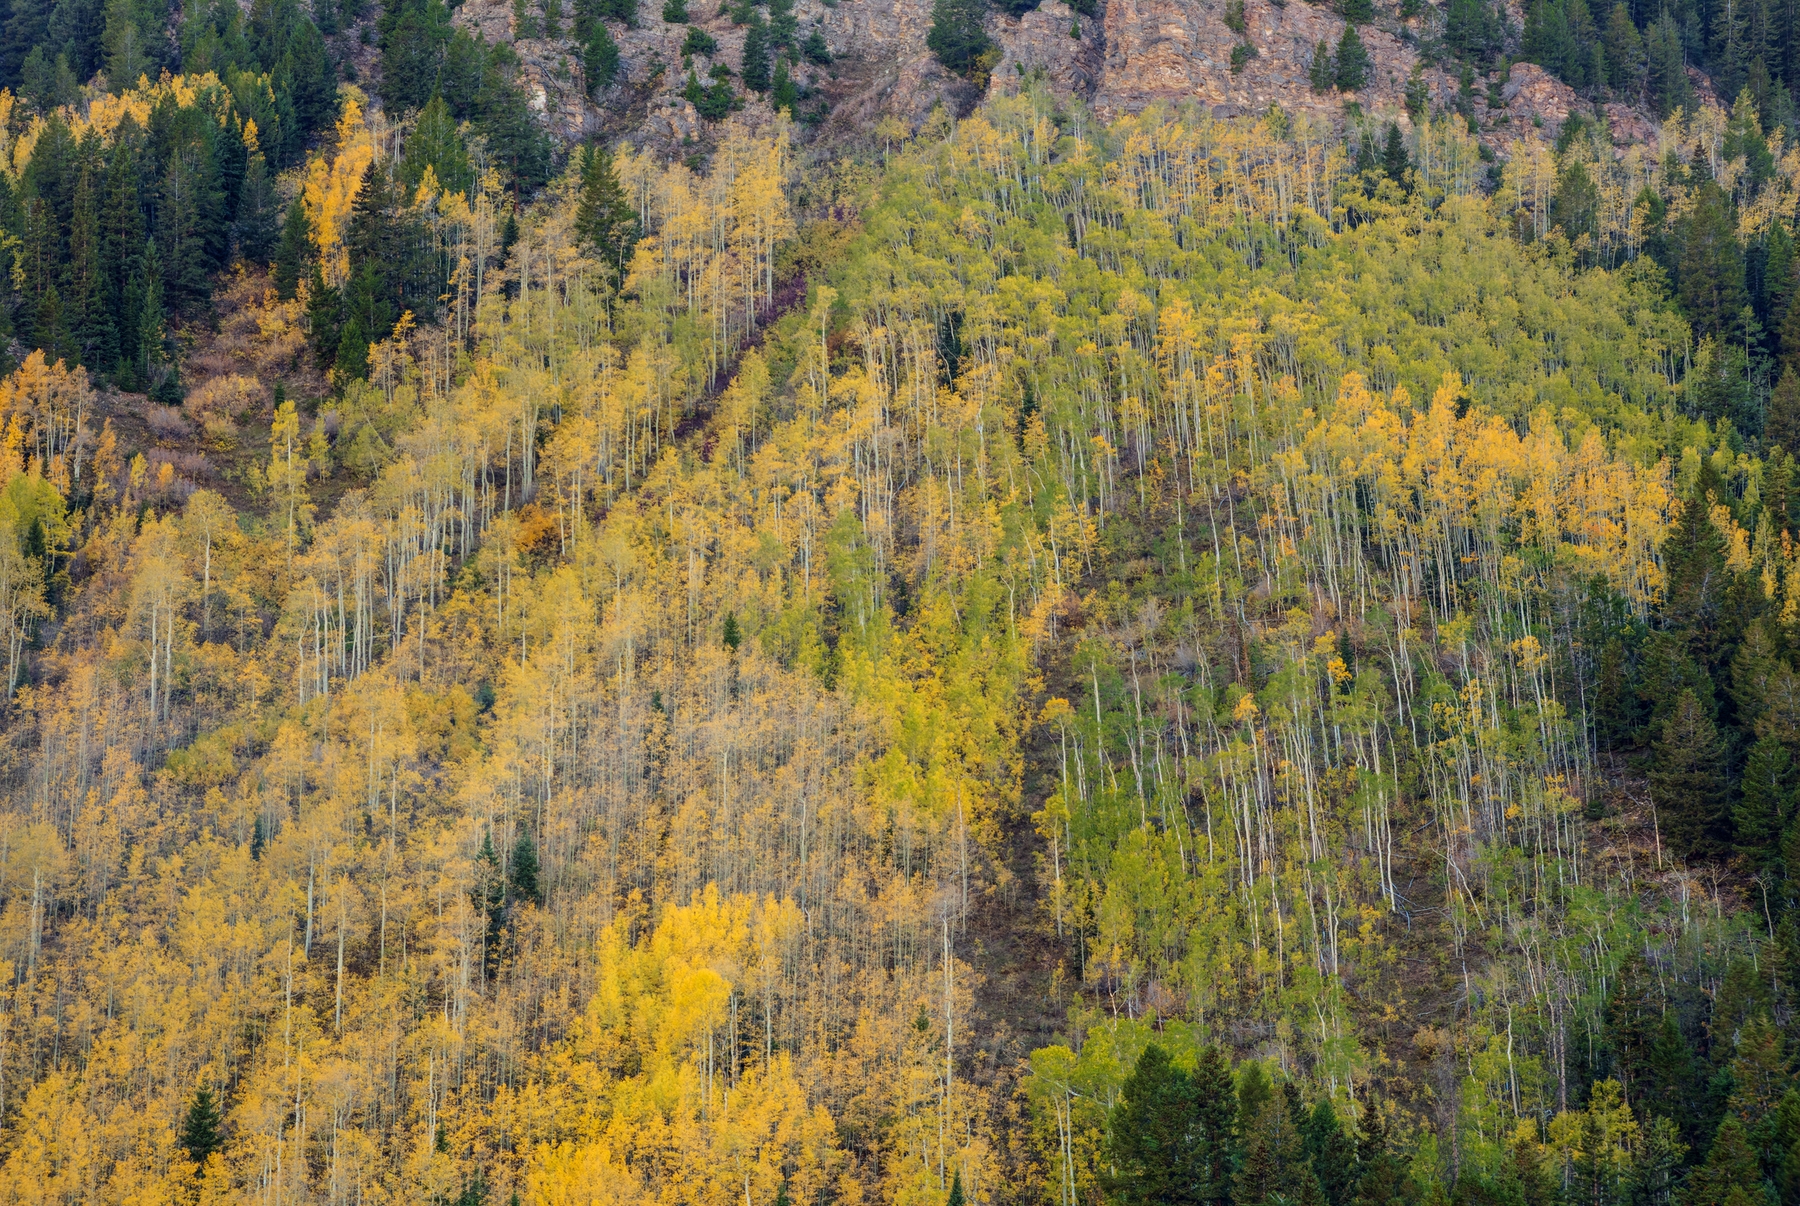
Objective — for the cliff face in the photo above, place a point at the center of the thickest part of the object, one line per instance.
(1131, 54)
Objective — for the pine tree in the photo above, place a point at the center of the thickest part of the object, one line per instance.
(1472, 31)
(956, 1190)
(1351, 61)
(1687, 783)
(414, 35)
(1731, 1175)
(1694, 566)
(1418, 94)
(1274, 1163)
(200, 1136)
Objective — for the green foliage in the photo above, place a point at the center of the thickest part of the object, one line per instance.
(600, 58)
(698, 41)
(1473, 31)
(435, 143)
(1350, 65)
(959, 39)
(522, 872)
(200, 1135)
(715, 101)
(753, 67)
(604, 219)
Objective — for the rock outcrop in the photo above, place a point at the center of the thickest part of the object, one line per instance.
(1130, 55)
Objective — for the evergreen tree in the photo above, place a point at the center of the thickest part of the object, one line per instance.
(414, 35)
(1666, 83)
(1274, 1165)
(1687, 782)
(1694, 566)
(523, 874)
(604, 219)
(1777, 277)
(324, 316)
(1731, 1175)
(200, 1136)
(1418, 94)
(1575, 206)
(436, 144)
(1323, 71)
(1382, 1178)
(255, 224)
(1156, 1142)
(783, 92)
(1332, 1152)
(1711, 271)
(1625, 61)
(956, 1190)
(958, 38)
(293, 254)
(1472, 31)
(1351, 62)
(515, 139)
(1394, 162)
(754, 67)
(600, 58)
(1656, 1165)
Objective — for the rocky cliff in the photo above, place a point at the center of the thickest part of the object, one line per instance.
(1131, 54)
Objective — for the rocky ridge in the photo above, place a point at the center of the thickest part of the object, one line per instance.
(1130, 55)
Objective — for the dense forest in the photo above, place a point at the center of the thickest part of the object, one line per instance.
(1232, 662)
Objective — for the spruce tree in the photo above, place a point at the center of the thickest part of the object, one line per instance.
(783, 93)
(600, 58)
(1782, 428)
(1323, 71)
(1694, 568)
(436, 144)
(754, 67)
(254, 227)
(200, 1128)
(1687, 781)
(604, 219)
(1666, 83)
(1711, 269)
(956, 1191)
(293, 254)
(1394, 163)
(1624, 53)
(1332, 1152)
(1156, 1144)
(1351, 61)
(1732, 1175)
(522, 875)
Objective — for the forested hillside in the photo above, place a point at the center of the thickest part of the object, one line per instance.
(1228, 662)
